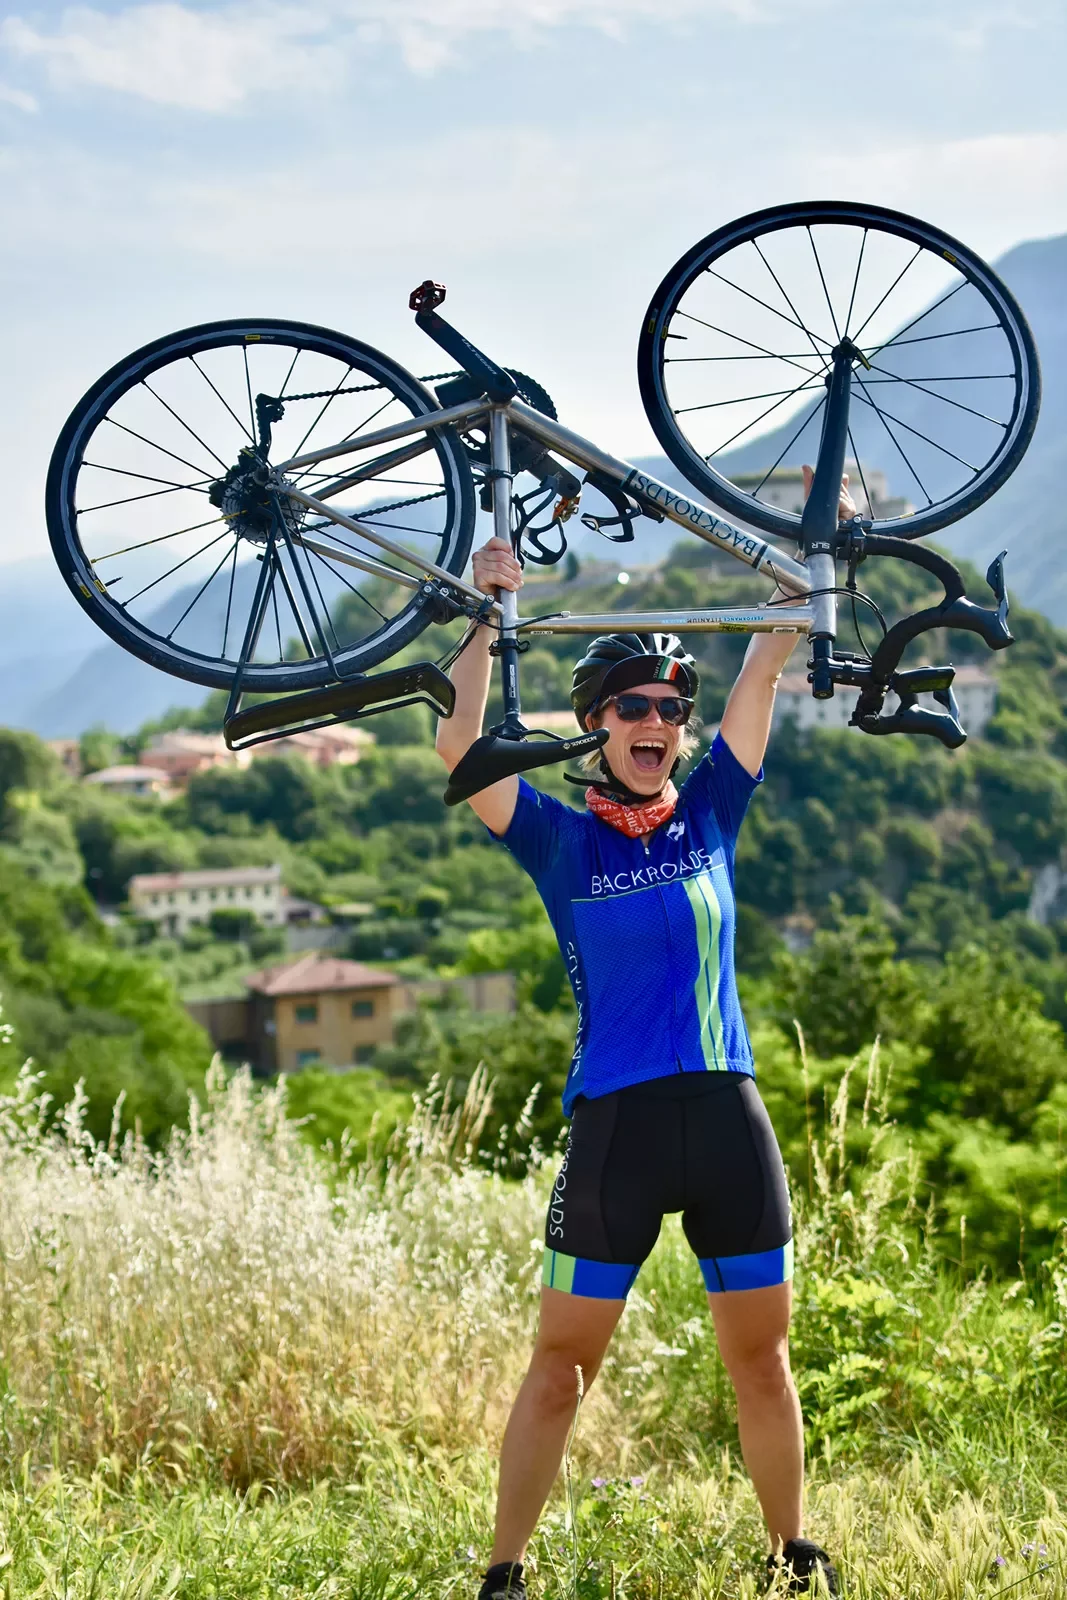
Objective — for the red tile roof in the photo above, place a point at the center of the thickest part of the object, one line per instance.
(315, 974)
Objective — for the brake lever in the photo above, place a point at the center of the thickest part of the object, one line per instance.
(911, 718)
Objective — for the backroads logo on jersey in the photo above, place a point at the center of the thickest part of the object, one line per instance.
(651, 877)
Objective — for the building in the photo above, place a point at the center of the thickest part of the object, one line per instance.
(975, 691)
(319, 1011)
(146, 782)
(784, 488)
(322, 1011)
(180, 753)
(336, 746)
(177, 900)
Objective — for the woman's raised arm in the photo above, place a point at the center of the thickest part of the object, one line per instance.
(746, 722)
(494, 568)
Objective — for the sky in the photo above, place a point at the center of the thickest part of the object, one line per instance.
(163, 164)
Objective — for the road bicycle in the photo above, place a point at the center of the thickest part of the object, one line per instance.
(193, 495)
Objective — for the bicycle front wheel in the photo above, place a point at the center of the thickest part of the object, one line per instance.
(160, 533)
(737, 344)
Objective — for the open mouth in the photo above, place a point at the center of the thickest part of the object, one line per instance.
(648, 755)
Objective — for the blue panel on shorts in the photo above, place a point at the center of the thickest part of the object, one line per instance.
(763, 1270)
(603, 1280)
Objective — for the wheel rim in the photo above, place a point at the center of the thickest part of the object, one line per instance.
(939, 418)
(172, 576)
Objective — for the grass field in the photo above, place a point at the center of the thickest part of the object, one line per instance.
(235, 1370)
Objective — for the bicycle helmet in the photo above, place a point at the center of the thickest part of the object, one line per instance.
(618, 661)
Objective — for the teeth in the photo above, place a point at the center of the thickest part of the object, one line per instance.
(650, 744)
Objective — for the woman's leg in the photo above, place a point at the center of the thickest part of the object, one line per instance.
(574, 1331)
(752, 1326)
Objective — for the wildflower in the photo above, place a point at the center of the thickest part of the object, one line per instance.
(1028, 1549)
(598, 1483)
(636, 1483)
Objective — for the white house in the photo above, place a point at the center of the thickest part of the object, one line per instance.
(176, 900)
(784, 488)
(975, 690)
(150, 782)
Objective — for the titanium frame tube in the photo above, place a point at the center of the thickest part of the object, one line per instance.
(508, 644)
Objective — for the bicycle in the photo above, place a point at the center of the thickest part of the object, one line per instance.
(186, 404)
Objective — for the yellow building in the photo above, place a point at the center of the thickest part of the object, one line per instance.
(320, 1011)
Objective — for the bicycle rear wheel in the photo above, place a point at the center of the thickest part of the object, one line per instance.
(152, 519)
(737, 343)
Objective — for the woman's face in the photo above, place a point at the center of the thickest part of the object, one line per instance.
(641, 754)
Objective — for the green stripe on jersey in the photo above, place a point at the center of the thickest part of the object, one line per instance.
(787, 1261)
(707, 915)
(558, 1270)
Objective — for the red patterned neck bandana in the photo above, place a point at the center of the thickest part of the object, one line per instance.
(633, 821)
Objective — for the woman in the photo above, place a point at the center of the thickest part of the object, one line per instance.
(665, 1113)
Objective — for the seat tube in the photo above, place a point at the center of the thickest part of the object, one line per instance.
(818, 527)
(508, 645)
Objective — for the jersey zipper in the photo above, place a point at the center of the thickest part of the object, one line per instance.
(670, 957)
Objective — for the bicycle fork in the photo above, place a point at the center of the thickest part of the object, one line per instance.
(508, 646)
(819, 522)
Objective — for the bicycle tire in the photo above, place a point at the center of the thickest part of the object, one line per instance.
(652, 360)
(277, 336)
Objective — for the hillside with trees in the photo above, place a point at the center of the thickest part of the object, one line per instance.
(886, 889)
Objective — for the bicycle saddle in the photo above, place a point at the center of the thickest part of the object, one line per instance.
(493, 757)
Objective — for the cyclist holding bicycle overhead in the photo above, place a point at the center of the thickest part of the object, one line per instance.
(665, 1115)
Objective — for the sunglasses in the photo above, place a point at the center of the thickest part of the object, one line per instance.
(673, 709)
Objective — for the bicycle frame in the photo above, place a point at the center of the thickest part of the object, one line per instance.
(658, 498)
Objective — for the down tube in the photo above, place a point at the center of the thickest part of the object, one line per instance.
(682, 509)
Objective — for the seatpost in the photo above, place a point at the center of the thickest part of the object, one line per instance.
(507, 647)
(818, 525)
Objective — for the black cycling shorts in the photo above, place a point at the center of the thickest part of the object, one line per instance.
(698, 1143)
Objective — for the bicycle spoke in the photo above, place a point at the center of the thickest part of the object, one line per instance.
(351, 433)
(248, 390)
(306, 593)
(274, 602)
(908, 264)
(229, 599)
(876, 350)
(376, 554)
(785, 297)
(899, 447)
(945, 451)
(928, 338)
(323, 411)
(108, 505)
(145, 477)
(825, 290)
(289, 374)
(770, 354)
(200, 591)
(918, 383)
(325, 608)
(225, 402)
(183, 424)
(744, 399)
(340, 576)
(160, 538)
(164, 575)
(772, 309)
(859, 464)
(804, 355)
(209, 478)
(786, 448)
(305, 639)
(750, 425)
(856, 281)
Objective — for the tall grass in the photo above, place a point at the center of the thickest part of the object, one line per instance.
(226, 1369)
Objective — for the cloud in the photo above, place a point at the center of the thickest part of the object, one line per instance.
(213, 59)
(17, 98)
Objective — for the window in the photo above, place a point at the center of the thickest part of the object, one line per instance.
(230, 893)
(362, 1054)
(213, 894)
(363, 1008)
(170, 899)
(194, 894)
(307, 1058)
(155, 899)
(248, 894)
(308, 1012)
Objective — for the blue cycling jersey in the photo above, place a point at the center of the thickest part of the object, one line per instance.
(646, 929)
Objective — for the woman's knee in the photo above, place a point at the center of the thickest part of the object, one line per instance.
(554, 1376)
(761, 1369)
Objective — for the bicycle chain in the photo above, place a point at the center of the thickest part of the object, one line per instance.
(362, 388)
